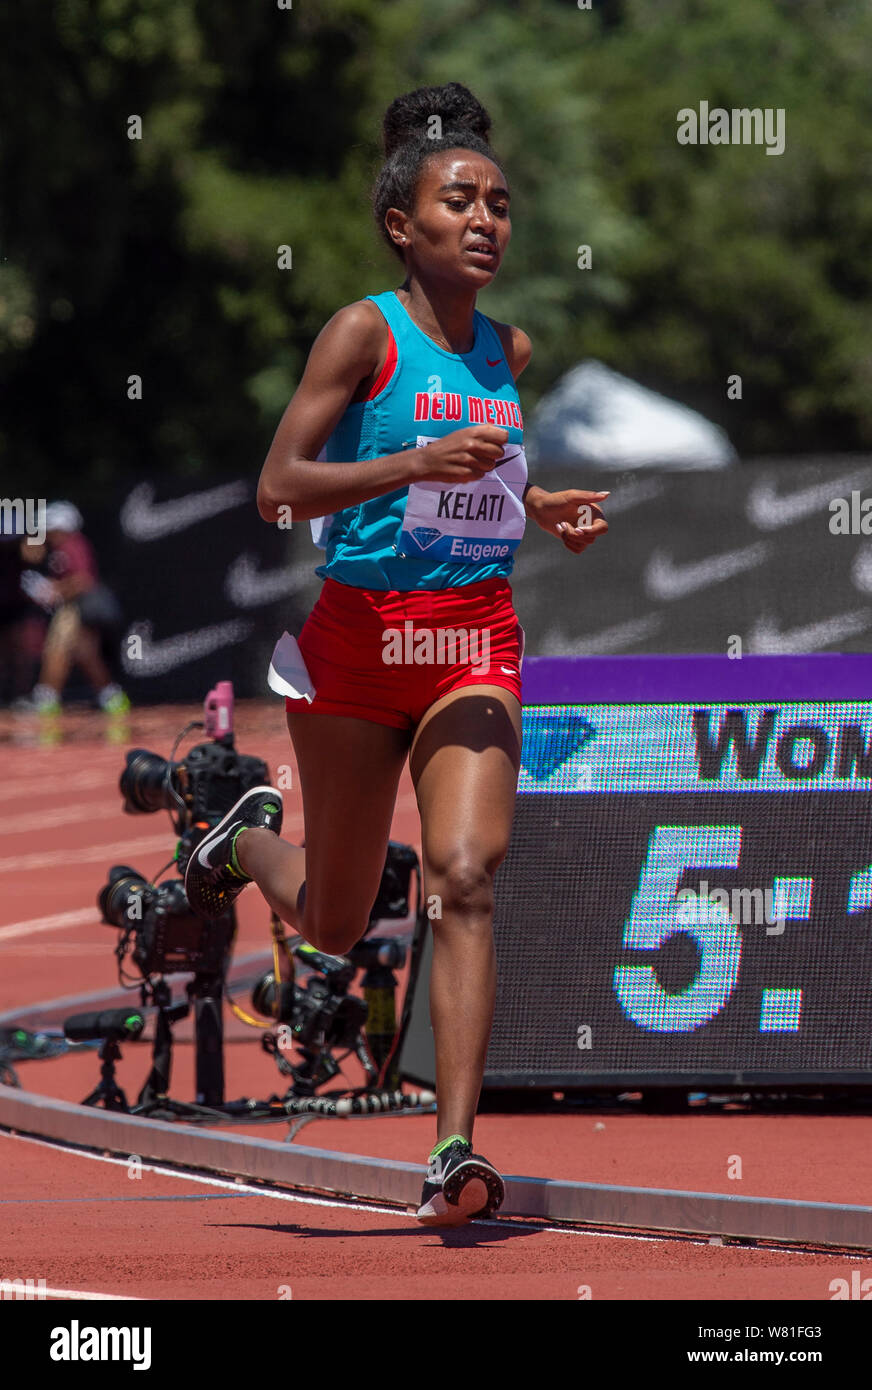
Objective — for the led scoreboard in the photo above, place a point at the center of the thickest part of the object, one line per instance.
(687, 896)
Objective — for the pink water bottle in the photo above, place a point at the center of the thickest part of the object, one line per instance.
(218, 712)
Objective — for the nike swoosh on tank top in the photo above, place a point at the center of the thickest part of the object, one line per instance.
(428, 535)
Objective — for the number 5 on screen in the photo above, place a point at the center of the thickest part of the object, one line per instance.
(655, 915)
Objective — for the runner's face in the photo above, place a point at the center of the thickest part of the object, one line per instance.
(462, 204)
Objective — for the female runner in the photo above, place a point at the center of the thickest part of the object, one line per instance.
(413, 645)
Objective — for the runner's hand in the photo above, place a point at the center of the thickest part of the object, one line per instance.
(463, 456)
(572, 515)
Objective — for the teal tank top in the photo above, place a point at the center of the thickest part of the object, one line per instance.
(428, 535)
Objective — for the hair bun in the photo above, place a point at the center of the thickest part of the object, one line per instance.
(408, 115)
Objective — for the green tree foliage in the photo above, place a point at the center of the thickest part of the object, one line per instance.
(159, 257)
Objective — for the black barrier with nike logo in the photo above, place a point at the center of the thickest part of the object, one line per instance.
(766, 556)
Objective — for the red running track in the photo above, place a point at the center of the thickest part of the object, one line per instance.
(84, 1224)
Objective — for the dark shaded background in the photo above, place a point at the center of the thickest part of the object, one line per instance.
(157, 258)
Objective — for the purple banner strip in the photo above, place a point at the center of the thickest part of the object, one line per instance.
(714, 679)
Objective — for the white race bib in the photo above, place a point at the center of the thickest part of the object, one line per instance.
(459, 523)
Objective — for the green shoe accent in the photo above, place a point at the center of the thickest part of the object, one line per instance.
(119, 704)
(443, 1143)
(234, 866)
(271, 807)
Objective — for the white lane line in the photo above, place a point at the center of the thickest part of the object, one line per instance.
(86, 854)
(591, 1233)
(229, 1185)
(87, 1296)
(73, 782)
(52, 816)
(93, 854)
(59, 948)
(84, 916)
(92, 811)
(80, 917)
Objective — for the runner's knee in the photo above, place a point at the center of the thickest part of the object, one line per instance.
(335, 936)
(464, 883)
(334, 929)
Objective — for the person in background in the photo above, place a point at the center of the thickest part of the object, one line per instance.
(22, 624)
(62, 578)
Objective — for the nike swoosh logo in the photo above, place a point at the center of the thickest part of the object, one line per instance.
(766, 638)
(609, 639)
(664, 579)
(247, 586)
(769, 510)
(633, 493)
(508, 670)
(181, 650)
(494, 363)
(143, 519)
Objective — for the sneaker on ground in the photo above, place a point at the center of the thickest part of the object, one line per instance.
(459, 1185)
(214, 877)
(41, 700)
(113, 700)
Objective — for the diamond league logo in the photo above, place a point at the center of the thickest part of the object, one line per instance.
(551, 741)
(425, 536)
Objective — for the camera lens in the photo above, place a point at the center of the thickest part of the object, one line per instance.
(263, 998)
(115, 897)
(144, 782)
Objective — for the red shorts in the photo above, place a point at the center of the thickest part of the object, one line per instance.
(387, 655)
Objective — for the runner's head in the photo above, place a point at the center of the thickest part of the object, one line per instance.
(440, 192)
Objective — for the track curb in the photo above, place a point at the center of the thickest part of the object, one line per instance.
(297, 1167)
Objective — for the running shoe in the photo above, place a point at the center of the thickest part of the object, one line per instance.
(459, 1185)
(214, 877)
(42, 700)
(118, 703)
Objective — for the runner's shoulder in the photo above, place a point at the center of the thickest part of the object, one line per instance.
(357, 334)
(516, 345)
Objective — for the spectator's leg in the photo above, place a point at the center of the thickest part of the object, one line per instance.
(59, 651)
(21, 645)
(89, 656)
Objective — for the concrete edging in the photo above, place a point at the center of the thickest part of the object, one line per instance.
(388, 1180)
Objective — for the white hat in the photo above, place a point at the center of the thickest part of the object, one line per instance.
(62, 516)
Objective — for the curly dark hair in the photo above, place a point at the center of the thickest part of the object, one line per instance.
(465, 125)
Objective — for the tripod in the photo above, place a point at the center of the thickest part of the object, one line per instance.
(108, 1093)
(204, 992)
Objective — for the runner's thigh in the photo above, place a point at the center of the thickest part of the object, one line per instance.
(349, 770)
